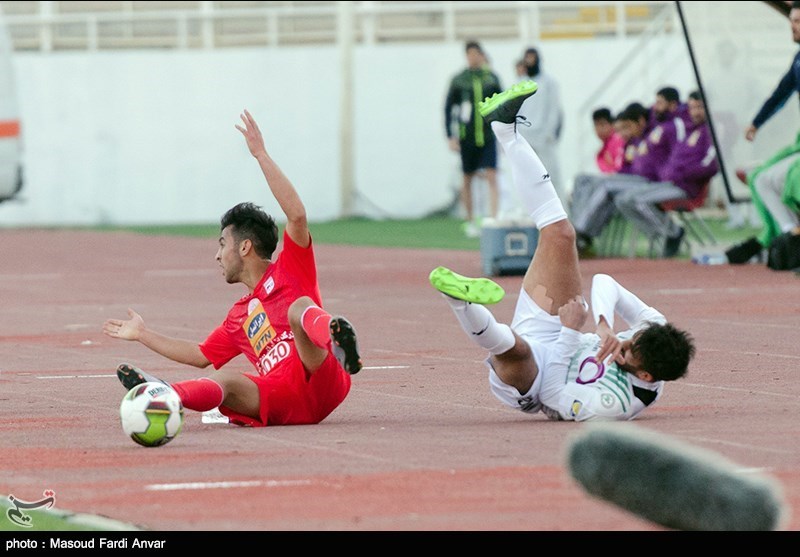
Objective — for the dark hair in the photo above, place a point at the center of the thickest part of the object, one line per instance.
(670, 94)
(250, 222)
(796, 5)
(696, 96)
(602, 114)
(473, 44)
(634, 113)
(665, 351)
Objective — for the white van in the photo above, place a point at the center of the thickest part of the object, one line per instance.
(10, 143)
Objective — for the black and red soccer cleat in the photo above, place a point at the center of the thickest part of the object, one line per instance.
(344, 345)
(130, 376)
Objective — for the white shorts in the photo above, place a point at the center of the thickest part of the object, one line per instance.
(541, 331)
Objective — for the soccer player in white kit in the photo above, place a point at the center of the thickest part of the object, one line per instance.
(542, 362)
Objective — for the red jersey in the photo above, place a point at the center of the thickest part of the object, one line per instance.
(258, 324)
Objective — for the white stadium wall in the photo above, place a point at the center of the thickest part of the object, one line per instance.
(147, 137)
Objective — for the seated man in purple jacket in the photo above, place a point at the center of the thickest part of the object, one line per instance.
(668, 106)
(647, 151)
(692, 163)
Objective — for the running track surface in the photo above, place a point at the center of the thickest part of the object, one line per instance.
(420, 443)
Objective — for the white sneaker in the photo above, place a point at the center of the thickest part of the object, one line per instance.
(471, 230)
(214, 417)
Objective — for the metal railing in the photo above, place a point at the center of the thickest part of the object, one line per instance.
(47, 25)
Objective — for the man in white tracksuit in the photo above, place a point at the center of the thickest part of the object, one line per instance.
(542, 362)
(545, 118)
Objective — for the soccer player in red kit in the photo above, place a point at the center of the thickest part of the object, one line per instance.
(303, 356)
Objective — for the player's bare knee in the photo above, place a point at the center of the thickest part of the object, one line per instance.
(296, 310)
(520, 353)
(224, 380)
(236, 388)
(516, 368)
(561, 232)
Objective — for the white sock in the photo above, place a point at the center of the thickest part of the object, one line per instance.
(481, 326)
(531, 177)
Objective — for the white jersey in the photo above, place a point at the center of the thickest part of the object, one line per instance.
(594, 390)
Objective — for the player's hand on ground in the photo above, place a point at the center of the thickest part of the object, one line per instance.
(610, 345)
(130, 329)
(573, 315)
(252, 134)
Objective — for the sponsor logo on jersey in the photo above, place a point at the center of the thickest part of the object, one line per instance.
(575, 409)
(258, 328)
(275, 355)
(255, 324)
(269, 286)
(590, 371)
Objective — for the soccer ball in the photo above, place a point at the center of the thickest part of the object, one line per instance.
(151, 414)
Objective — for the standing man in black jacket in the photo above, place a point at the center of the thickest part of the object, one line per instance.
(469, 134)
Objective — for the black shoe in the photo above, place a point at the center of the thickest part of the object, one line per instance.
(673, 245)
(584, 242)
(344, 345)
(503, 107)
(131, 376)
(742, 253)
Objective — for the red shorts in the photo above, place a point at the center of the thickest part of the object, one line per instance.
(290, 397)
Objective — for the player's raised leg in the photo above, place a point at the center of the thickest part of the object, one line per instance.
(511, 356)
(317, 333)
(554, 277)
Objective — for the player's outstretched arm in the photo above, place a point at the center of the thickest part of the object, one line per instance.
(134, 329)
(282, 189)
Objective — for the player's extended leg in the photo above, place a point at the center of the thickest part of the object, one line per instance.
(554, 277)
(232, 390)
(466, 197)
(317, 333)
(511, 357)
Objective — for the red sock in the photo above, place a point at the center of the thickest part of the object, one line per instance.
(317, 325)
(200, 395)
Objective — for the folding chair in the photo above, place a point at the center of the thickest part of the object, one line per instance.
(613, 238)
(686, 210)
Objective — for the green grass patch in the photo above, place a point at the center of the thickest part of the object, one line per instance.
(725, 238)
(431, 233)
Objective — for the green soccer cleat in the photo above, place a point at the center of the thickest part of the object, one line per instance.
(503, 107)
(473, 290)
